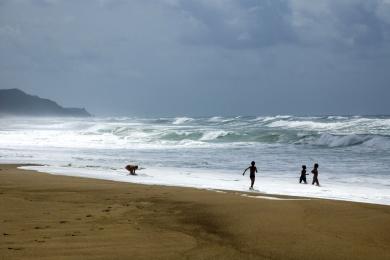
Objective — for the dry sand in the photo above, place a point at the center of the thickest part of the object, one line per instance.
(44, 216)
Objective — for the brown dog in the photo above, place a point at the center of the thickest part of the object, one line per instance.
(131, 169)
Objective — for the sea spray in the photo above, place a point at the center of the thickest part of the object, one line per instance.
(353, 152)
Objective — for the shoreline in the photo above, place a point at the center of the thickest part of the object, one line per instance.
(48, 216)
(251, 194)
(24, 166)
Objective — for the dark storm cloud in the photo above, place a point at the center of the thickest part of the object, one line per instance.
(198, 57)
(356, 25)
(256, 24)
(235, 24)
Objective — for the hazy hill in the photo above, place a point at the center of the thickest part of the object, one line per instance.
(17, 102)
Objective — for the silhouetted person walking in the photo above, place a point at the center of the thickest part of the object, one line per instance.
(303, 175)
(252, 170)
(315, 174)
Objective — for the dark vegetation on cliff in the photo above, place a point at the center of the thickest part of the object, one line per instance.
(17, 103)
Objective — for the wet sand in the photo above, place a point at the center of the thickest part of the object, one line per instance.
(44, 216)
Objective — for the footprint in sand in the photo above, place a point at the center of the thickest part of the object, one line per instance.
(73, 234)
(15, 248)
(63, 222)
(38, 227)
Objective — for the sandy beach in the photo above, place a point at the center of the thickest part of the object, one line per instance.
(44, 216)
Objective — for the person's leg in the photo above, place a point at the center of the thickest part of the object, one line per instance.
(252, 181)
(315, 180)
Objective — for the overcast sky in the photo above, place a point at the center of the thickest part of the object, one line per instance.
(200, 57)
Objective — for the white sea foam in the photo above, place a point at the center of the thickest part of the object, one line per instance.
(307, 125)
(215, 119)
(233, 181)
(338, 141)
(337, 117)
(336, 126)
(181, 120)
(212, 135)
(268, 197)
(353, 152)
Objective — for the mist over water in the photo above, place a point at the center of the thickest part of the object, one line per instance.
(353, 152)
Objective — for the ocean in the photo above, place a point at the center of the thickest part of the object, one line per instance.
(353, 152)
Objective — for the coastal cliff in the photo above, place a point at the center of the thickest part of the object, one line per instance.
(18, 103)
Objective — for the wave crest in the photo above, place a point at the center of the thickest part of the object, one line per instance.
(182, 120)
(330, 132)
(340, 141)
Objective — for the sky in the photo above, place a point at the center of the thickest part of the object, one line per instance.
(200, 57)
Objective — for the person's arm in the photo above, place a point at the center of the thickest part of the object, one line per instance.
(256, 169)
(245, 171)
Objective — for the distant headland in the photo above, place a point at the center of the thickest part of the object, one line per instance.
(18, 103)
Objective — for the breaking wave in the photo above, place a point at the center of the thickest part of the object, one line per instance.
(210, 151)
(181, 120)
(330, 132)
(332, 141)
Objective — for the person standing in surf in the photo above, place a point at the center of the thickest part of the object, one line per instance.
(315, 174)
(252, 170)
(303, 175)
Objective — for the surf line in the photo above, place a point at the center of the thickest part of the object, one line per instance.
(268, 197)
